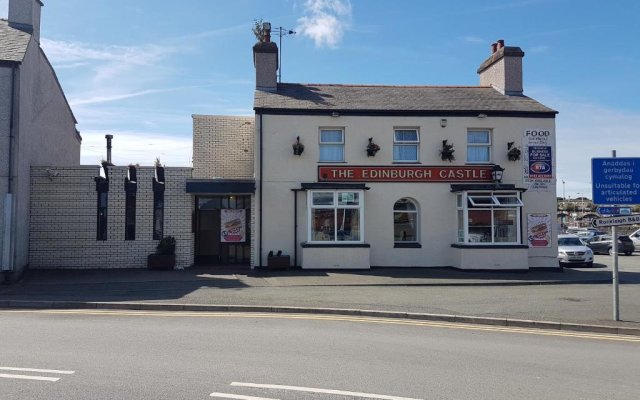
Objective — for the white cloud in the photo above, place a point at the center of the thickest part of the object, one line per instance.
(325, 21)
(131, 147)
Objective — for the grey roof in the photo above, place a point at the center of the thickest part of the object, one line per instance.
(391, 99)
(13, 42)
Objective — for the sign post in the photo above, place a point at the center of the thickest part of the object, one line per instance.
(615, 181)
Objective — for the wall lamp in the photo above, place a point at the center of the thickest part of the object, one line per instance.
(443, 122)
(496, 173)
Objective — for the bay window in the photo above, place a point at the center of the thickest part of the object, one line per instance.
(489, 217)
(335, 216)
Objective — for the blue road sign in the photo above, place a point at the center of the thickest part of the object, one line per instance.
(613, 210)
(615, 180)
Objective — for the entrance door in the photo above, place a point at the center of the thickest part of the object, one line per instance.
(212, 246)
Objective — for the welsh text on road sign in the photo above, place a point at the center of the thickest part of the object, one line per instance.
(615, 221)
(615, 180)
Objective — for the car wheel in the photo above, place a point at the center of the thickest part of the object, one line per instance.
(628, 253)
(610, 251)
(588, 264)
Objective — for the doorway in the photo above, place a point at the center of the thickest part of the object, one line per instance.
(223, 234)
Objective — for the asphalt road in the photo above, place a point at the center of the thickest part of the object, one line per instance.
(133, 355)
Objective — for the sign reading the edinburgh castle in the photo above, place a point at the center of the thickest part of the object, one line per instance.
(339, 173)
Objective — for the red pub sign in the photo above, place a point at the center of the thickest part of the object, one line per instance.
(339, 173)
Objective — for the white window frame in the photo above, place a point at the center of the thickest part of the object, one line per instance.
(465, 202)
(488, 145)
(321, 143)
(406, 143)
(335, 206)
(417, 219)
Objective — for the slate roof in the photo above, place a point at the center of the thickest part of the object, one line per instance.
(314, 98)
(13, 42)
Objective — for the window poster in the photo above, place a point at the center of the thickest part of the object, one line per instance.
(539, 230)
(537, 160)
(233, 226)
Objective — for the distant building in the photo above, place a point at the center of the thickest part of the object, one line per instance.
(37, 127)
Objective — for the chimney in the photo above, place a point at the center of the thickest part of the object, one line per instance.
(265, 59)
(503, 69)
(25, 16)
(109, 137)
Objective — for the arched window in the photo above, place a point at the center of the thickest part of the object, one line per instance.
(405, 221)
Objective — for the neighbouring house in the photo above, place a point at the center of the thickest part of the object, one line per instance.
(37, 127)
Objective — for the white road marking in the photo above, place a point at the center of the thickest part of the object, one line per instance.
(44, 371)
(325, 391)
(238, 396)
(35, 378)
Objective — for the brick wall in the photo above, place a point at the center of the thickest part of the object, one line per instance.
(223, 147)
(64, 215)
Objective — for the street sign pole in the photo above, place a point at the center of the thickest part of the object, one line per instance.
(614, 245)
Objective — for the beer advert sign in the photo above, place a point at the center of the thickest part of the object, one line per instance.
(233, 226)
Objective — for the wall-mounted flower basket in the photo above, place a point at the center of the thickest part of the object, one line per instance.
(513, 152)
(447, 152)
(298, 147)
(372, 148)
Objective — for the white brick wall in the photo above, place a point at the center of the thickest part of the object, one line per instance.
(64, 216)
(223, 147)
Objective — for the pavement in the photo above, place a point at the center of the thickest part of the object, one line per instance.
(578, 299)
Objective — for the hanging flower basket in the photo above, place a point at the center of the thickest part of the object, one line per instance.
(513, 152)
(372, 148)
(446, 154)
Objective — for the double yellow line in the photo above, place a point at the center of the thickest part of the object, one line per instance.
(345, 318)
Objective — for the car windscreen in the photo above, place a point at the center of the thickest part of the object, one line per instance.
(569, 242)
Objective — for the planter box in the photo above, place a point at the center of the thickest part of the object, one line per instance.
(278, 262)
(161, 261)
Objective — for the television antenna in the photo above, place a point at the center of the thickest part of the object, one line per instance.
(280, 31)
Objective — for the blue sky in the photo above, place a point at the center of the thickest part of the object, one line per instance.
(140, 69)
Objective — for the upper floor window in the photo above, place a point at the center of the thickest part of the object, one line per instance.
(405, 221)
(335, 216)
(331, 145)
(406, 143)
(478, 146)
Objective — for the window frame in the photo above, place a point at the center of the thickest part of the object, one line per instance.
(406, 143)
(335, 206)
(465, 203)
(488, 145)
(416, 211)
(340, 143)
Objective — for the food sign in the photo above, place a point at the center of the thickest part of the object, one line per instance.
(232, 226)
(538, 159)
(539, 230)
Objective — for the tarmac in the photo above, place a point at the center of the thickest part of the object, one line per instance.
(575, 299)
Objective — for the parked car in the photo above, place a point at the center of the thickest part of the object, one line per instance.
(635, 237)
(571, 250)
(589, 234)
(604, 245)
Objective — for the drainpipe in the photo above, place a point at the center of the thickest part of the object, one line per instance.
(7, 245)
(260, 201)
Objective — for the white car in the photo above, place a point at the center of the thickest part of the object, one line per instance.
(635, 236)
(571, 250)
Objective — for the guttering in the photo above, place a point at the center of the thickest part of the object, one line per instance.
(7, 245)
(260, 200)
(407, 113)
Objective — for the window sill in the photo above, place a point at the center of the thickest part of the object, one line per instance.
(399, 245)
(334, 244)
(489, 246)
(332, 162)
(406, 162)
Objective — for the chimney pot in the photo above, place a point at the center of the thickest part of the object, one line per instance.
(109, 137)
(267, 31)
(494, 47)
(500, 44)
